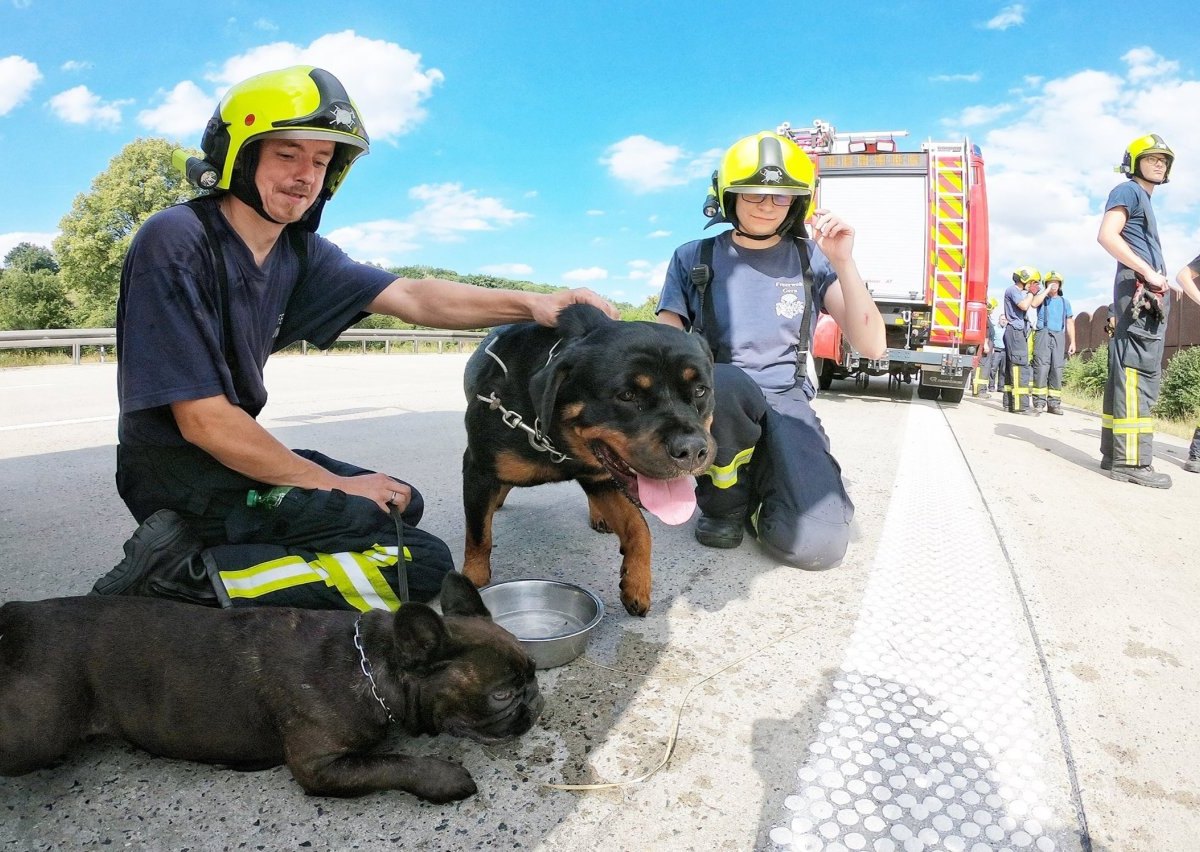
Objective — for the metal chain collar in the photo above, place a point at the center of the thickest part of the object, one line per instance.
(513, 420)
(366, 669)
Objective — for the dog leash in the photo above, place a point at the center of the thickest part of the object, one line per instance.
(401, 568)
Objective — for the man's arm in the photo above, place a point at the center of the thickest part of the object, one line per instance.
(236, 440)
(438, 303)
(1186, 279)
(1070, 336)
(1112, 242)
(670, 318)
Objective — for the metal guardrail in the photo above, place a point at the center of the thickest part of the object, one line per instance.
(105, 339)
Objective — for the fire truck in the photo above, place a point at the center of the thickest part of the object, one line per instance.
(921, 244)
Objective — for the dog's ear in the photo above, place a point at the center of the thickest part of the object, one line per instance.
(420, 636)
(460, 597)
(544, 385)
(579, 319)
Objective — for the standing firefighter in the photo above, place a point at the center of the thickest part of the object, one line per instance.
(1054, 343)
(1017, 300)
(1129, 233)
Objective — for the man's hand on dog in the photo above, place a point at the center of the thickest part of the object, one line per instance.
(545, 310)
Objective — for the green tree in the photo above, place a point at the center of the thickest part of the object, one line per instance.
(34, 299)
(1179, 396)
(138, 182)
(29, 257)
(644, 311)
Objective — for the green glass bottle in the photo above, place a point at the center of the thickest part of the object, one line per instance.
(267, 500)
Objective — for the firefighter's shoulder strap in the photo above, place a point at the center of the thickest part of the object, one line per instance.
(701, 276)
(205, 211)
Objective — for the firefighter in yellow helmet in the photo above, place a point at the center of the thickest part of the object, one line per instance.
(1018, 298)
(1053, 344)
(208, 290)
(755, 291)
(1129, 232)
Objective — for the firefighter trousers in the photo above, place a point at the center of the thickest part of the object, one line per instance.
(1016, 368)
(315, 549)
(774, 470)
(1049, 354)
(1134, 374)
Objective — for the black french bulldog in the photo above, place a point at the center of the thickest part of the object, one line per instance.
(254, 688)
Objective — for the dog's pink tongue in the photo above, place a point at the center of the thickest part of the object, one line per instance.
(672, 501)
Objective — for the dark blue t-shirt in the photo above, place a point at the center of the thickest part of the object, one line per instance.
(758, 299)
(170, 345)
(1141, 228)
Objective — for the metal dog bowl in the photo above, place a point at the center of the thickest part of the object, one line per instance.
(553, 620)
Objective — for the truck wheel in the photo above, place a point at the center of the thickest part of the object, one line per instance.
(927, 392)
(824, 373)
(952, 395)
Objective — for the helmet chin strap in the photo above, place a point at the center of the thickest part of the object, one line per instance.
(742, 233)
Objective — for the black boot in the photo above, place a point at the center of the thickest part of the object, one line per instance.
(162, 560)
(720, 532)
(1143, 475)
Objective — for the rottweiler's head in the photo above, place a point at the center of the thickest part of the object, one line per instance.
(635, 398)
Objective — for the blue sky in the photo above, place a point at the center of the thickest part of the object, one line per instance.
(571, 142)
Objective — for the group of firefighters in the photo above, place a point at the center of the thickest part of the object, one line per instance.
(1029, 339)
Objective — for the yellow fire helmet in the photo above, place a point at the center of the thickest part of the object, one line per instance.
(991, 303)
(1150, 144)
(765, 163)
(1052, 276)
(301, 102)
(1026, 275)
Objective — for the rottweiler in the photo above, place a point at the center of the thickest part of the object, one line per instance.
(623, 408)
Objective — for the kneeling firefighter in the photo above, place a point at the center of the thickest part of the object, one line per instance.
(208, 290)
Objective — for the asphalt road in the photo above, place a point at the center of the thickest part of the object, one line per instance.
(1007, 659)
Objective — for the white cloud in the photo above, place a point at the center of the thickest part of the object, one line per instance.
(182, 112)
(385, 80)
(654, 235)
(595, 213)
(1050, 169)
(508, 270)
(80, 105)
(956, 78)
(652, 273)
(447, 213)
(11, 240)
(582, 276)
(973, 116)
(18, 76)
(1009, 16)
(75, 65)
(647, 165)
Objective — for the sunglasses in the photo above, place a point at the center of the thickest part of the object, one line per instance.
(777, 200)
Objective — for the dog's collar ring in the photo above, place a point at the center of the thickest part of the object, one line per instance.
(366, 668)
(513, 420)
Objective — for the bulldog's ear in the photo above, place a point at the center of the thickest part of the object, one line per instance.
(460, 597)
(420, 636)
(580, 319)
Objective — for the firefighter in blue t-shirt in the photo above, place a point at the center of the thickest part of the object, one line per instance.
(756, 302)
(1129, 232)
(1053, 343)
(208, 291)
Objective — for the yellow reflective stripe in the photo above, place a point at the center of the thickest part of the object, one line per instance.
(267, 577)
(726, 476)
(1055, 392)
(358, 581)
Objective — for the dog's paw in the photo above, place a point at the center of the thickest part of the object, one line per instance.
(599, 524)
(443, 781)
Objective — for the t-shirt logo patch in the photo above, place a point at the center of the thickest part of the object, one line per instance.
(789, 306)
(278, 326)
